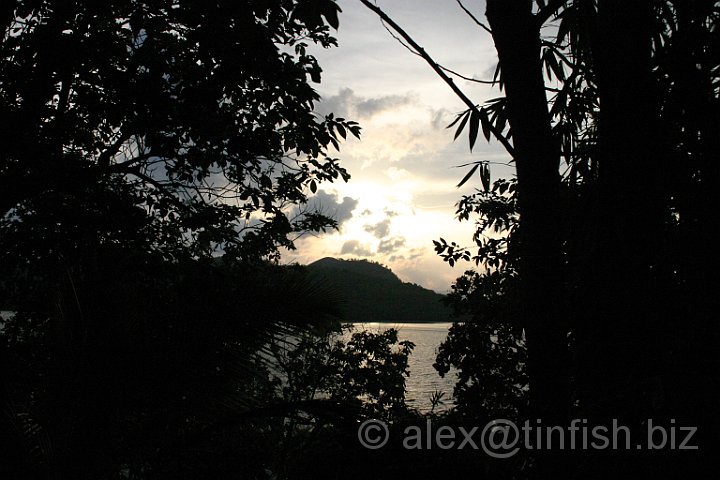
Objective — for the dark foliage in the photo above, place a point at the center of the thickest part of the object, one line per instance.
(175, 127)
(603, 255)
(139, 139)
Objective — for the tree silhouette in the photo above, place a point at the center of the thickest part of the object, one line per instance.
(624, 96)
(182, 128)
(139, 139)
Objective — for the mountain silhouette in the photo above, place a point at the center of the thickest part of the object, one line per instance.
(370, 292)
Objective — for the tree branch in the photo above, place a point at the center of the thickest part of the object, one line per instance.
(104, 158)
(544, 15)
(453, 72)
(439, 70)
(122, 167)
(475, 19)
(161, 187)
(476, 80)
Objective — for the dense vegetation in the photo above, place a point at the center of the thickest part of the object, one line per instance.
(596, 259)
(139, 141)
(142, 138)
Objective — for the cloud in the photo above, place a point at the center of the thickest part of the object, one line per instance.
(371, 106)
(416, 253)
(340, 104)
(380, 229)
(329, 204)
(391, 245)
(439, 118)
(347, 104)
(353, 247)
(398, 174)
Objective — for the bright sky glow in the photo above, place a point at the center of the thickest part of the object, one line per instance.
(402, 192)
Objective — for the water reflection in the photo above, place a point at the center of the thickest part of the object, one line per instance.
(424, 381)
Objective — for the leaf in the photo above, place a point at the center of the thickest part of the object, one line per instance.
(501, 119)
(330, 12)
(564, 27)
(313, 186)
(474, 127)
(485, 125)
(547, 58)
(341, 130)
(485, 177)
(552, 67)
(497, 78)
(457, 118)
(354, 129)
(460, 128)
(468, 175)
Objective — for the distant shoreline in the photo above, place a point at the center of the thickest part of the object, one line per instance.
(406, 321)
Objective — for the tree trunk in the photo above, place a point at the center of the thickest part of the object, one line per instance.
(517, 40)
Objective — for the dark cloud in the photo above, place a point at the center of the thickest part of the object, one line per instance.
(380, 229)
(371, 106)
(353, 247)
(391, 245)
(339, 104)
(347, 104)
(329, 204)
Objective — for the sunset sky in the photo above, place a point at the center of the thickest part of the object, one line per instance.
(402, 192)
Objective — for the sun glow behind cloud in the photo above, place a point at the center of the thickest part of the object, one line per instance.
(403, 178)
(389, 228)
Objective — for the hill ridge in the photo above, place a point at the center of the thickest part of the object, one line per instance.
(371, 292)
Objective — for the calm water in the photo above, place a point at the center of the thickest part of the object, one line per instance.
(423, 380)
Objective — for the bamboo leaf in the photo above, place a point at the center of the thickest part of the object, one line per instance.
(462, 125)
(474, 127)
(501, 119)
(485, 125)
(485, 177)
(457, 118)
(468, 175)
(497, 78)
